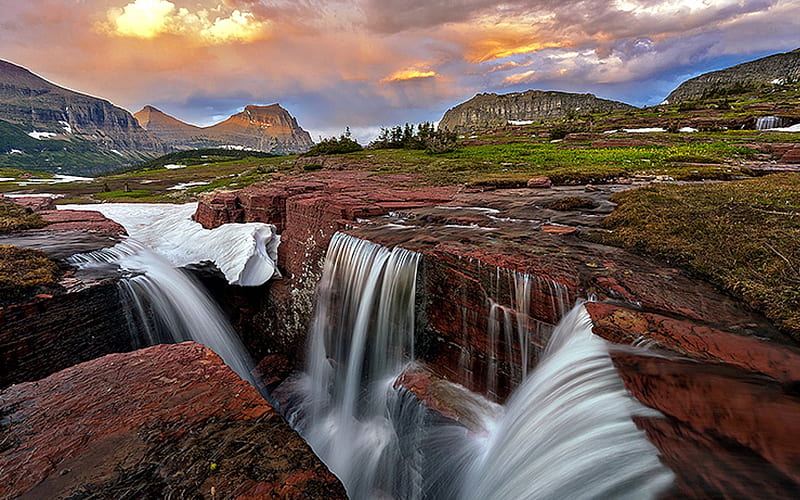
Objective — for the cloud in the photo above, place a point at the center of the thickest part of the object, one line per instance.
(149, 19)
(526, 77)
(407, 74)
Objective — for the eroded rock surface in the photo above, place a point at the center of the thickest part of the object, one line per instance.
(166, 421)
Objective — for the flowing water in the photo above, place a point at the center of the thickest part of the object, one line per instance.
(769, 122)
(566, 432)
(165, 305)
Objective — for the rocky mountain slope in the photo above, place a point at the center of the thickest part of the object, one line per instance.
(47, 125)
(771, 70)
(263, 128)
(493, 110)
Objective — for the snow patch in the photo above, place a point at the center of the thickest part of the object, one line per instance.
(687, 129)
(16, 152)
(187, 185)
(174, 166)
(42, 135)
(521, 122)
(643, 130)
(66, 126)
(793, 128)
(245, 253)
(56, 179)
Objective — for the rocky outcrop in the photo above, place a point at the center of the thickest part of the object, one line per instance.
(767, 71)
(167, 421)
(36, 105)
(263, 128)
(494, 110)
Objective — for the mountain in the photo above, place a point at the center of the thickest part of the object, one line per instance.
(47, 127)
(775, 69)
(494, 110)
(263, 128)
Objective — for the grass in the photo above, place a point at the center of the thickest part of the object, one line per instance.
(16, 218)
(23, 272)
(744, 236)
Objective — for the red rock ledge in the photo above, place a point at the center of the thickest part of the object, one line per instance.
(167, 421)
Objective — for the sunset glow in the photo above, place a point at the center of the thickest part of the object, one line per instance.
(372, 63)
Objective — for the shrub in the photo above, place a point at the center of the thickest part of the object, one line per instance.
(335, 145)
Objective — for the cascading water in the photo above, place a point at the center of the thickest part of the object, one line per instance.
(361, 338)
(164, 305)
(566, 432)
(769, 122)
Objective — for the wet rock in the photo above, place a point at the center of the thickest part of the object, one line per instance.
(539, 183)
(167, 421)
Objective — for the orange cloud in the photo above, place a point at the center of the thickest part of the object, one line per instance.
(150, 19)
(409, 74)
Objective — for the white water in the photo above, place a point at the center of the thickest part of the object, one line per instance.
(769, 122)
(165, 305)
(245, 253)
(361, 338)
(566, 431)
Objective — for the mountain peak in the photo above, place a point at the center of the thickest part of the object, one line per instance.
(265, 128)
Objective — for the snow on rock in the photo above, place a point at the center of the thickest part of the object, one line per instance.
(245, 253)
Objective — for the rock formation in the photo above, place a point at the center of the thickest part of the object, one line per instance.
(493, 110)
(46, 112)
(167, 421)
(770, 70)
(263, 128)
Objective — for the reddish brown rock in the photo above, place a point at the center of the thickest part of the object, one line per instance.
(714, 406)
(167, 421)
(626, 326)
(549, 228)
(35, 203)
(539, 182)
(81, 220)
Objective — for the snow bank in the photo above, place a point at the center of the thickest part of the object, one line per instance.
(793, 128)
(245, 253)
(647, 130)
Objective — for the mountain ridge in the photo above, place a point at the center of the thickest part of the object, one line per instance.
(769, 70)
(487, 110)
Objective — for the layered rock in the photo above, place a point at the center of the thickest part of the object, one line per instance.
(35, 105)
(80, 320)
(167, 421)
(493, 110)
(262, 128)
(767, 71)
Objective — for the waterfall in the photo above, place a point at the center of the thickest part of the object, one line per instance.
(165, 305)
(362, 337)
(566, 432)
(769, 122)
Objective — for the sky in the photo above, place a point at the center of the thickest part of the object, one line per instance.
(372, 63)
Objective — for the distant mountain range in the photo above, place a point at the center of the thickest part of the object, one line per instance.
(262, 128)
(48, 128)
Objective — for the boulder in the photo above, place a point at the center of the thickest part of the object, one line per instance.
(539, 182)
(167, 421)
